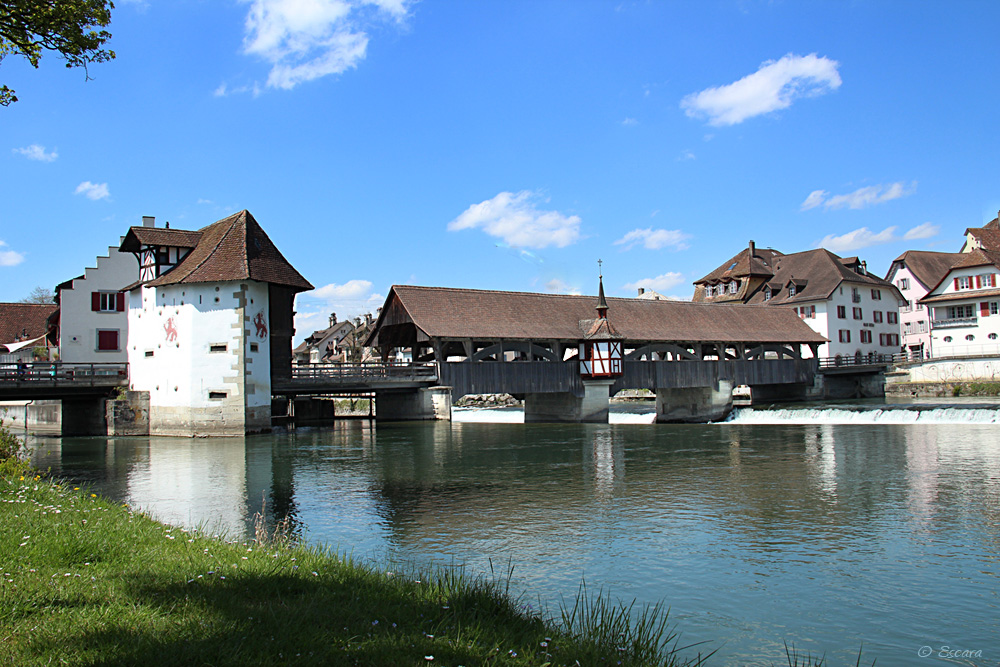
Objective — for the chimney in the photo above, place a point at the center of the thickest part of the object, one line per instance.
(864, 268)
(642, 290)
(333, 319)
(753, 249)
(148, 221)
(368, 319)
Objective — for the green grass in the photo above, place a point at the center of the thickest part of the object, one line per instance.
(90, 582)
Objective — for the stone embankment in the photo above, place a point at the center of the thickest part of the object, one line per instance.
(487, 401)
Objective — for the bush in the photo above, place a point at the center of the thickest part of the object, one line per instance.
(13, 455)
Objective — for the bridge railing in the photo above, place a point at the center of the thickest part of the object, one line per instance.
(367, 370)
(872, 359)
(62, 372)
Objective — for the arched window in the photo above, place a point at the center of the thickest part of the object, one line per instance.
(947, 339)
(970, 337)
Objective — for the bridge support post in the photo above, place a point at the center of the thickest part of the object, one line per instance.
(591, 408)
(84, 416)
(695, 405)
(414, 405)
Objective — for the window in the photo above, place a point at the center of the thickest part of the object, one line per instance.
(970, 338)
(855, 295)
(920, 306)
(734, 286)
(150, 353)
(876, 316)
(922, 326)
(960, 312)
(965, 282)
(791, 291)
(107, 340)
(845, 336)
(858, 314)
(903, 283)
(986, 280)
(253, 347)
(218, 347)
(107, 302)
(866, 336)
(947, 339)
(892, 317)
(876, 295)
(216, 394)
(993, 308)
(767, 294)
(842, 312)
(908, 327)
(992, 336)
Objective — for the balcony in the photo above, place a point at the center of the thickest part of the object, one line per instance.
(954, 322)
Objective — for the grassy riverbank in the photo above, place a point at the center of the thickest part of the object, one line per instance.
(87, 581)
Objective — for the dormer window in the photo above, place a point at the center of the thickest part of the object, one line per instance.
(734, 287)
(791, 290)
(767, 293)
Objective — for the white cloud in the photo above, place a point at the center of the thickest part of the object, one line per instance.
(308, 39)
(352, 289)
(686, 155)
(772, 87)
(859, 238)
(629, 122)
(654, 239)
(557, 286)
(860, 198)
(924, 231)
(515, 219)
(9, 257)
(36, 152)
(814, 199)
(658, 284)
(93, 191)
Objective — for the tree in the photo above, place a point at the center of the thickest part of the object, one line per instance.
(40, 295)
(69, 27)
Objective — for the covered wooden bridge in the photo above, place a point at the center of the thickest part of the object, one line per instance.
(554, 349)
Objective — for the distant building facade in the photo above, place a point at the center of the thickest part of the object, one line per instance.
(915, 273)
(27, 327)
(210, 325)
(837, 297)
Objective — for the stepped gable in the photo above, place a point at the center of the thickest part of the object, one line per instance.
(928, 267)
(234, 248)
(441, 312)
(25, 320)
(819, 272)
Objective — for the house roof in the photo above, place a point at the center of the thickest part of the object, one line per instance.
(823, 272)
(742, 264)
(27, 320)
(962, 296)
(234, 248)
(442, 312)
(158, 236)
(928, 267)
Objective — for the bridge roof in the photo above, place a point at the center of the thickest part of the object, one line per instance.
(441, 312)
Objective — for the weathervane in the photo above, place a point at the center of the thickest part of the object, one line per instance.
(600, 272)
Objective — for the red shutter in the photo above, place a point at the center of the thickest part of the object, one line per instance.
(120, 303)
(993, 280)
(984, 308)
(956, 284)
(95, 301)
(979, 282)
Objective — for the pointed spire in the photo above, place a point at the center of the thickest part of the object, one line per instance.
(602, 303)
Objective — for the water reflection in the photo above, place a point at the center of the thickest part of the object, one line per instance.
(822, 535)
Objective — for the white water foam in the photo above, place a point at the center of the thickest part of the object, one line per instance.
(911, 415)
(516, 416)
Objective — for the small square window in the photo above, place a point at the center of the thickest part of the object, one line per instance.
(217, 395)
(218, 347)
(253, 347)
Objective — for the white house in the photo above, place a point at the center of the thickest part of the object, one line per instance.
(856, 311)
(93, 322)
(210, 325)
(965, 305)
(914, 273)
(321, 347)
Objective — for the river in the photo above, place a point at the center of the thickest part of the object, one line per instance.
(826, 527)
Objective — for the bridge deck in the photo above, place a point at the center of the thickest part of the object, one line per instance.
(54, 380)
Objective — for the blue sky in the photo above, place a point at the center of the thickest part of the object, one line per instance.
(509, 145)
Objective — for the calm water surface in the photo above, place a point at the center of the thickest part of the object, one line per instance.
(824, 536)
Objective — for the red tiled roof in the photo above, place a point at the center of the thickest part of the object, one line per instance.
(442, 312)
(926, 266)
(823, 271)
(234, 248)
(741, 265)
(158, 236)
(27, 320)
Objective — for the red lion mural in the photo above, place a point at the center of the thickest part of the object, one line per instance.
(170, 329)
(261, 325)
